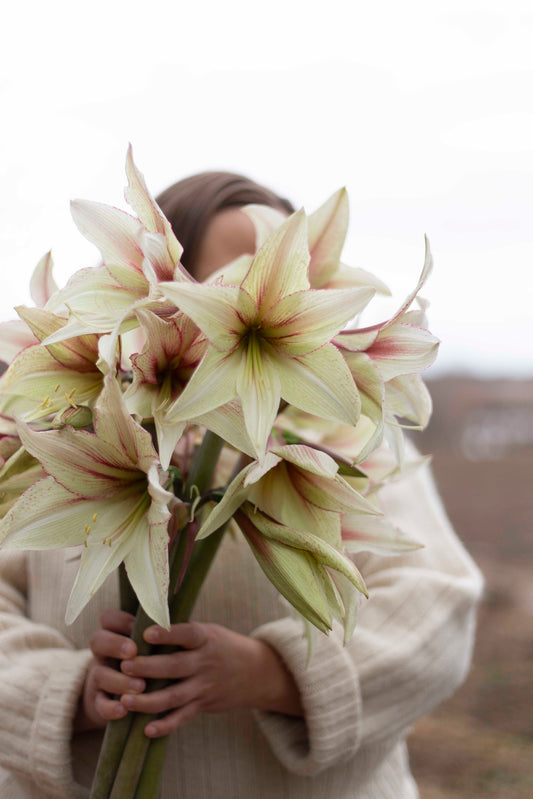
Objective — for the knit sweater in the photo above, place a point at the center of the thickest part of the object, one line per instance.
(410, 650)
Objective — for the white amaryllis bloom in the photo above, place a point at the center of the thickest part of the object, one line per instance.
(105, 491)
(290, 508)
(137, 253)
(47, 380)
(270, 339)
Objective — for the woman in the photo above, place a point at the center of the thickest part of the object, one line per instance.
(248, 715)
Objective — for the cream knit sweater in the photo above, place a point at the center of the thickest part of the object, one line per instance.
(410, 650)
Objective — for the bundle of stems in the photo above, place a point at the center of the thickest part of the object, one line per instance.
(130, 765)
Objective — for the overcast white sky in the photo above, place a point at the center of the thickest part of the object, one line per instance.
(424, 110)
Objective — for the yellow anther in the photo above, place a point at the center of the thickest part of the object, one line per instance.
(87, 529)
(56, 389)
(95, 516)
(109, 543)
(69, 399)
(86, 544)
(104, 541)
(46, 402)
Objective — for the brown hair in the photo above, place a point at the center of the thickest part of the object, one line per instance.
(190, 204)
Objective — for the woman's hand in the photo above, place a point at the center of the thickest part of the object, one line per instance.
(215, 670)
(104, 681)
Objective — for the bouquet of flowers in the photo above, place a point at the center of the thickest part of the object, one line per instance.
(143, 411)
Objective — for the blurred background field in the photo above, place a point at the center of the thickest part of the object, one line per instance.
(480, 742)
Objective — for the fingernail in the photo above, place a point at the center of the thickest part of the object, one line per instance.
(151, 635)
(151, 730)
(128, 649)
(127, 667)
(120, 711)
(137, 685)
(128, 701)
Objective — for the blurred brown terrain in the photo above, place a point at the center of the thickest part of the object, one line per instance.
(480, 742)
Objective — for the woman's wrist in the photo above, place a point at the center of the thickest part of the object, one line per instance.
(273, 687)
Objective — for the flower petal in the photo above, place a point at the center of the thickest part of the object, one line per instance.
(115, 233)
(217, 310)
(148, 571)
(328, 227)
(46, 516)
(304, 321)
(42, 283)
(146, 208)
(280, 266)
(213, 384)
(320, 383)
(258, 388)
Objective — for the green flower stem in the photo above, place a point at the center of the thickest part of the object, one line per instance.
(112, 778)
(142, 757)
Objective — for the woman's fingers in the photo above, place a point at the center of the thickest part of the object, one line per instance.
(191, 635)
(118, 621)
(173, 720)
(171, 698)
(107, 644)
(108, 708)
(114, 682)
(170, 667)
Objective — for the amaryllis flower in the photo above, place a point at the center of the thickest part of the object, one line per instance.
(105, 491)
(137, 253)
(172, 351)
(270, 339)
(290, 507)
(47, 380)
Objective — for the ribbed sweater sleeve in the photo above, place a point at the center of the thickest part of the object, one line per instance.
(411, 648)
(41, 678)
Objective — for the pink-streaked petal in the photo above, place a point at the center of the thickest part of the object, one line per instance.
(98, 560)
(320, 383)
(217, 310)
(402, 349)
(280, 266)
(146, 208)
(369, 384)
(258, 388)
(42, 283)
(304, 321)
(115, 426)
(79, 461)
(212, 385)
(228, 423)
(374, 534)
(148, 571)
(328, 226)
(312, 460)
(168, 435)
(46, 516)
(157, 263)
(35, 374)
(330, 494)
(78, 353)
(115, 233)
